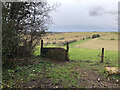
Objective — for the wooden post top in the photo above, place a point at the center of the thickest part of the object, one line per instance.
(67, 46)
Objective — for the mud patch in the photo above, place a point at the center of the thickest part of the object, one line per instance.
(90, 79)
(40, 83)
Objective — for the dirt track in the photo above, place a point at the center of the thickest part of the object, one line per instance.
(88, 79)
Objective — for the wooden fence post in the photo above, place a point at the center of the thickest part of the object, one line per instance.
(67, 46)
(41, 47)
(67, 52)
(102, 56)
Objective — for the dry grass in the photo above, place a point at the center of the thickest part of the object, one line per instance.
(110, 35)
(71, 36)
(98, 44)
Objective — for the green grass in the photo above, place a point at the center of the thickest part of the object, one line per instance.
(64, 75)
(78, 42)
(85, 54)
(61, 74)
(93, 55)
(22, 74)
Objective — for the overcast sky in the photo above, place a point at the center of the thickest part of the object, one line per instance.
(85, 15)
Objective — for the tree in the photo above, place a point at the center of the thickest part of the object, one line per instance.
(24, 23)
(12, 13)
(35, 24)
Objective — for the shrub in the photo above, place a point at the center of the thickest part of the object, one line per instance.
(112, 39)
(88, 38)
(54, 43)
(95, 36)
(98, 35)
(61, 38)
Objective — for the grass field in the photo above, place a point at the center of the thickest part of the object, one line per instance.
(90, 49)
(98, 44)
(72, 36)
(87, 54)
(82, 71)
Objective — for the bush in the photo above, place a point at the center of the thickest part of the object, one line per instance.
(112, 39)
(98, 35)
(88, 38)
(54, 43)
(61, 38)
(95, 36)
(10, 43)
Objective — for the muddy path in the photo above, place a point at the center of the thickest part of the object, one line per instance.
(88, 79)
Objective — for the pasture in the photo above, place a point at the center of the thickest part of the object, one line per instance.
(86, 53)
(98, 44)
(84, 69)
(61, 38)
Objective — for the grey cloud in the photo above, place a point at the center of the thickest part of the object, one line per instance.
(98, 11)
(112, 12)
